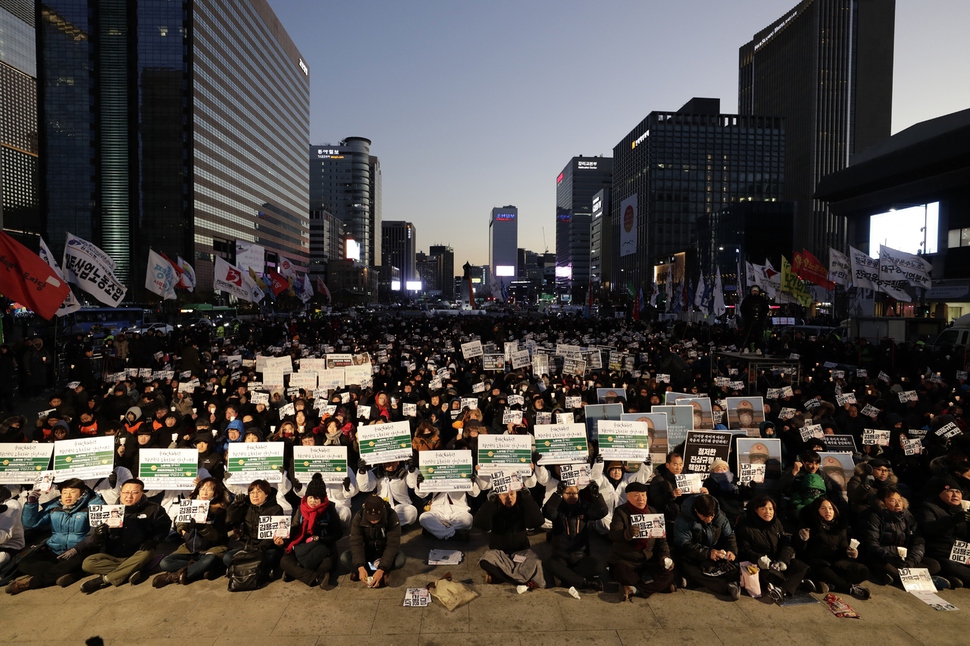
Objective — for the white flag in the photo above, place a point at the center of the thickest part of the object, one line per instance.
(228, 278)
(840, 269)
(865, 275)
(699, 294)
(287, 269)
(772, 279)
(719, 307)
(160, 276)
(306, 289)
(188, 274)
(70, 303)
(895, 265)
(84, 265)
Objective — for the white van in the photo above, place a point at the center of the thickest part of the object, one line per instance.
(956, 335)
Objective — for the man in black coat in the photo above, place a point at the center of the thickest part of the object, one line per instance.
(509, 517)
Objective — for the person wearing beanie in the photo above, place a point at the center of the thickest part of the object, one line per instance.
(892, 540)
(944, 519)
(209, 457)
(309, 555)
(641, 564)
(375, 541)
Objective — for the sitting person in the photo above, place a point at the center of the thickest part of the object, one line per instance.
(893, 540)
(762, 541)
(641, 564)
(375, 541)
(823, 543)
(866, 487)
(203, 544)
(11, 526)
(389, 481)
(448, 514)
(243, 515)
(572, 512)
(316, 528)
(664, 492)
(125, 550)
(509, 517)
(706, 546)
(944, 521)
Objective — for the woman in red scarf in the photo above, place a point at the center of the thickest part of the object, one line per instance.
(310, 555)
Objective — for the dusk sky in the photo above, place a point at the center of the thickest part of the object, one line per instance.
(472, 105)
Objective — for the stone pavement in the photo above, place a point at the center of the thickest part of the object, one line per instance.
(283, 614)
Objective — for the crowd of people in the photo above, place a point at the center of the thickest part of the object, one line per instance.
(904, 507)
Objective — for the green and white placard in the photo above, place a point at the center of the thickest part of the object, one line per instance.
(329, 461)
(380, 443)
(248, 461)
(446, 470)
(624, 441)
(87, 458)
(22, 463)
(561, 443)
(174, 469)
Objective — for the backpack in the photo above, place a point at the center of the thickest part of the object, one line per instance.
(246, 571)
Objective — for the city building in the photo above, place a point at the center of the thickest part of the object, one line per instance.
(601, 242)
(399, 245)
(180, 126)
(345, 180)
(19, 194)
(911, 192)
(328, 238)
(674, 167)
(576, 185)
(436, 270)
(826, 68)
(754, 231)
(503, 244)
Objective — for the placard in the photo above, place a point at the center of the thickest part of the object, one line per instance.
(21, 463)
(329, 461)
(174, 469)
(471, 350)
(417, 598)
(446, 470)
(752, 473)
(680, 421)
(192, 511)
(575, 475)
(689, 483)
(764, 451)
(745, 412)
(597, 412)
(650, 525)
(811, 431)
(510, 453)
(503, 482)
(111, 515)
(561, 444)
(625, 441)
(837, 466)
(382, 443)
(87, 458)
(873, 437)
(271, 527)
(248, 461)
(703, 448)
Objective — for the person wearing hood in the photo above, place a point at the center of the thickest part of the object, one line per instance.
(720, 484)
(13, 429)
(823, 542)
(389, 481)
(613, 481)
(234, 433)
(893, 540)
(243, 516)
(865, 488)
(572, 513)
(812, 487)
(762, 541)
(706, 546)
(640, 563)
(133, 420)
(943, 521)
(59, 560)
(309, 553)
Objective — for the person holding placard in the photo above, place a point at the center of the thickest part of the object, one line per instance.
(210, 459)
(389, 481)
(203, 543)
(639, 562)
(126, 550)
(59, 560)
(613, 481)
(823, 542)
(243, 515)
(508, 517)
(309, 554)
(893, 540)
(572, 511)
(762, 541)
(945, 519)
(448, 514)
(865, 488)
(706, 546)
(375, 541)
(664, 492)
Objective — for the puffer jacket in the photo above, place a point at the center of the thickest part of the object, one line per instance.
(244, 516)
(68, 526)
(887, 529)
(694, 539)
(942, 524)
(757, 538)
(631, 549)
(375, 540)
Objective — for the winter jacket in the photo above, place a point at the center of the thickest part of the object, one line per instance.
(369, 541)
(327, 525)
(145, 525)
(888, 529)
(68, 527)
(11, 526)
(757, 538)
(509, 525)
(942, 524)
(661, 493)
(570, 523)
(694, 539)
(630, 549)
(199, 537)
(827, 541)
(862, 493)
(244, 516)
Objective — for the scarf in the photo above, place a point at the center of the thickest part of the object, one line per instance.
(333, 439)
(642, 544)
(309, 520)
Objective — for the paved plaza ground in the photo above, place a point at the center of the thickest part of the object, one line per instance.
(282, 614)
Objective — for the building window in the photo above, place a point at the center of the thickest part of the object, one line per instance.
(958, 238)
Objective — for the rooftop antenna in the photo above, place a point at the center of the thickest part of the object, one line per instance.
(544, 240)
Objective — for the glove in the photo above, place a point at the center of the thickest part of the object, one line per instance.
(33, 497)
(593, 489)
(347, 484)
(869, 481)
(897, 561)
(536, 456)
(101, 532)
(148, 546)
(764, 562)
(361, 466)
(561, 489)
(113, 480)
(240, 497)
(866, 468)
(598, 459)
(67, 554)
(3, 508)
(420, 479)
(493, 496)
(962, 516)
(297, 485)
(412, 466)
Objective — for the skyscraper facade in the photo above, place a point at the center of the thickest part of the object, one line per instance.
(826, 67)
(576, 185)
(19, 208)
(445, 261)
(503, 243)
(345, 179)
(675, 166)
(600, 239)
(177, 125)
(399, 245)
(327, 242)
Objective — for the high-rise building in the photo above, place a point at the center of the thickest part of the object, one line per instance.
(576, 185)
(19, 207)
(345, 179)
(503, 243)
(445, 260)
(600, 240)
(179, 125)
(399, 245)
(676, 166)
(826, 67)
(327, 242)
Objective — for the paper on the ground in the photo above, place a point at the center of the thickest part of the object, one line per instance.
(417, 598)
(445, 557)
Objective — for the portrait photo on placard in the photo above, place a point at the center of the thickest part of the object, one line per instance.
(745, 412)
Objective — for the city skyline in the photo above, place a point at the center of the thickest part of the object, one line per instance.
(466, 104)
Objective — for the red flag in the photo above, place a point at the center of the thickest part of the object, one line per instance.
(807, 266)
(277, 283)
(322, 288)
(26, 278)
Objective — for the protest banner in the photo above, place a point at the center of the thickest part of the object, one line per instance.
(561, 444)
(745, 412)
(839, 443)
(755, 451)
(22, 463)
(382, 443)
(493, 362)
(626, 441)
(445, 471)
(509, 453)
(248, 461)
(329, 461)
(472, 349)
(86, 458)
(703, 447)
(174, 469)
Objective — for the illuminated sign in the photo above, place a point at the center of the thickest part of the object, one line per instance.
(559, 179)
(564, 217)
(586, 165)
(505, 216)
(913, 229)
(306, 71)
(597, 206)
(395, 285)
(412, 285)
(353, 250)
(564, 272)
(640, 139)
(504, 270)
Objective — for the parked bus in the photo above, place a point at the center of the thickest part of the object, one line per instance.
(101, 321)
